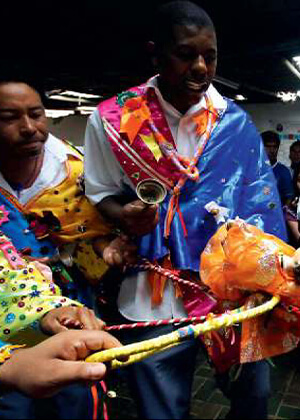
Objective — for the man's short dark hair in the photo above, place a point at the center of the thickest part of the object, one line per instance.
(270, 136)
(296, 143)
(16, 75)
(178, 12)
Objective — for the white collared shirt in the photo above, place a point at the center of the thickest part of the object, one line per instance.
(182, 126)
(53, 171)
(105, 177)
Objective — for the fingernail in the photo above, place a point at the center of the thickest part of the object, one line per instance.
(97, 370)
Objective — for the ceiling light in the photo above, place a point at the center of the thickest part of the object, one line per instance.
(79, 94)
(86, 110)
(240, 98)
(66, 99)
(58, 113)
(71, 94)
(297, 60)
(288, 96)
(292, 68)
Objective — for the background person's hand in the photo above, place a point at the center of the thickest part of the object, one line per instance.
(43, 370)
(70, 317)
(120, 251)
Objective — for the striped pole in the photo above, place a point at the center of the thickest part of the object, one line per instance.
(146, 265)
(155, 323)
(138, 351)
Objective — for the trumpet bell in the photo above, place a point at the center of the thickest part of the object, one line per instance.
(151, 191)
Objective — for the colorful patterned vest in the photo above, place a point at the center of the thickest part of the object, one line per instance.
(74, 218)
(57, 216)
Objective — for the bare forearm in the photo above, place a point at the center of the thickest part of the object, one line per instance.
(111, 208)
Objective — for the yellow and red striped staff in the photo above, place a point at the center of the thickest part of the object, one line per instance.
(132, 353)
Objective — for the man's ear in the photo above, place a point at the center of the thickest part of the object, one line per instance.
(151, 48)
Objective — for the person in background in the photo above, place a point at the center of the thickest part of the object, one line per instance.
(290, 213)
(48, 217)
(295, 157)
(154, 131)
(281, 172)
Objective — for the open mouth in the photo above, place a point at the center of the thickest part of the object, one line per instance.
(196, 86)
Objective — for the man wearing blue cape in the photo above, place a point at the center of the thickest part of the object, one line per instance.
(202, 147)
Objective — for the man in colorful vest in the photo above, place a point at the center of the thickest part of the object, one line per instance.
(43, 211)
(179, 130)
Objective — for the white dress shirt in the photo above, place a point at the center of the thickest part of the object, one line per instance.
(104, 177)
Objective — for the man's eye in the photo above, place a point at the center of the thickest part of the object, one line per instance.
(36, 115)
(210, 58)
(8, 117)
(185, 55)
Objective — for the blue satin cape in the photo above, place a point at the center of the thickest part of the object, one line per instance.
(234, 172)
(18, 231)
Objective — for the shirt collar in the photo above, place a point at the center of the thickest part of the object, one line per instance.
(53, 146)
(58, 148)
(217, 100)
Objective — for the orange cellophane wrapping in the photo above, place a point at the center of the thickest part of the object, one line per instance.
(244, 259)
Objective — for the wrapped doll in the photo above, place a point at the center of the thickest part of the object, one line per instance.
(241, 259)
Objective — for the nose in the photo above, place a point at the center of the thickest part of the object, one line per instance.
(199, 65)
(27, 126)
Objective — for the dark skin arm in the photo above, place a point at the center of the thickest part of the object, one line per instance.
(135, 218)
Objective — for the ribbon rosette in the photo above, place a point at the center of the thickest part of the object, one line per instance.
(135, 113)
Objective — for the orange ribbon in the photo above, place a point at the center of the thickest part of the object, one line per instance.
(172, 209)
(135, 113)
(158, 282)
(202, 121)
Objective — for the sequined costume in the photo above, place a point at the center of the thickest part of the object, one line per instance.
(53, 214)
(58, 216)
(27, 292)
(244, 259)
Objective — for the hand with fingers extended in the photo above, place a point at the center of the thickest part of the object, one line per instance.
(70, 317)
(43, 370)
